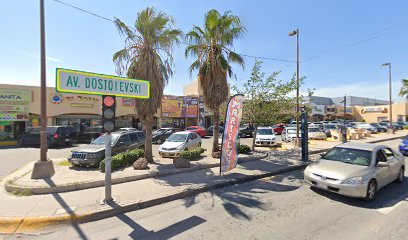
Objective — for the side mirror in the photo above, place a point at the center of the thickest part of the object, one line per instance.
(383, 164)
(322, 154)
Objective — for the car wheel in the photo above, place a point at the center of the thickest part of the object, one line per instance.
(243, 135)
(371, 190)
(401, 176)
(159, 141)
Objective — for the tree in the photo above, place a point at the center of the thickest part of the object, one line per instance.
(404, 88)
(212, 46)
(267, 100)
(148, 55)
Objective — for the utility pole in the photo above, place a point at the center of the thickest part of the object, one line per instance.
(391, 130)
(293, 33)
(43, 168)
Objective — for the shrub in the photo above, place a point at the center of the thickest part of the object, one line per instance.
(122, 159)
(405, 127)
(193, 154)
(243, 149)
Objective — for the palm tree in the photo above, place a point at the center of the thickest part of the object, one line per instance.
(148, 55)
(212, 47)
(404, 88)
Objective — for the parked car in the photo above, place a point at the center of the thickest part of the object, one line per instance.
(178, 142)
(278, 128)
(289, 134)
(128, 129)
(318, 124)
(210, 130)
(403, 123)
(356, 169)
(56, 135)
(220, 140)
(397, 126)
(315, 133)
(327, 127)
(160, 135)
(265, 136)
(246, 130)
(90, 133)
(200, 131)
(403, 146)
(379, 127)
(387, 125)
(93, 153)
(366, 126)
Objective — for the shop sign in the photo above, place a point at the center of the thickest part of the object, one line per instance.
(83, 105)
(318, 109)
(374, 109)
(14, 107)
(179, 107)
(129, 102)
(13, 116)
(14, 95)
(331, 110)
(73, 81)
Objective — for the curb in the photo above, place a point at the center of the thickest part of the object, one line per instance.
(29, 224)
(11, 187)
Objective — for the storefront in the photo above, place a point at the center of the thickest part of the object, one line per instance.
(382, 112)
(14, 114)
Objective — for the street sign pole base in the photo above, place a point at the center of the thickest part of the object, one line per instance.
(43, 169)
(104, 201)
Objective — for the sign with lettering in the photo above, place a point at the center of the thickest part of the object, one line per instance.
(14, 106)
(374, 109)
(73, 81)
(14, 95)
(229, 150)
(13, 116)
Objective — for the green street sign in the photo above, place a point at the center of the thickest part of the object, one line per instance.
(73, 81)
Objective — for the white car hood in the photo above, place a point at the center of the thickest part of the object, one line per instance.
(171, 144)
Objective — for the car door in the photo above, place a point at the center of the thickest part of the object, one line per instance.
(122, 144)
(190, 141)
(382, 174)
(134, 139)
(394, 163)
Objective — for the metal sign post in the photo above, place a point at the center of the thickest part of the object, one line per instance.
(304, 136)
(108, 160)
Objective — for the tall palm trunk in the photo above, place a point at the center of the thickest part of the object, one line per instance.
(148, 140)
(216, 115)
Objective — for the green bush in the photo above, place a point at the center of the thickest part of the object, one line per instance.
(243, 149)
(405, 127)
(193, 154)
(122, 159)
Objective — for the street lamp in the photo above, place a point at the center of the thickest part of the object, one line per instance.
(291, 34)
(391, 130)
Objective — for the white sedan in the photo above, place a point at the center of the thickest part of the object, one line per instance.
(178, 142)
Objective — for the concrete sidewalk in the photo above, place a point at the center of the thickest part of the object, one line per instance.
(31, 213)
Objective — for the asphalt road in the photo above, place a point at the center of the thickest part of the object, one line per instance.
(280, 207)
(14, 158)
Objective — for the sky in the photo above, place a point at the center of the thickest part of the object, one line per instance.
(342, 43)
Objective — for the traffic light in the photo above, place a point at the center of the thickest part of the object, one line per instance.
(108, 113)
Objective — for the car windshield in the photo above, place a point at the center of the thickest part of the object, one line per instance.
(314, 130)
(101, 140)
(264, 132)
(177, 138)
(349, 155)
(330, 126)
(191, 128)
(36, 130)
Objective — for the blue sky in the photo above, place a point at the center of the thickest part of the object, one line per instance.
(346, 41)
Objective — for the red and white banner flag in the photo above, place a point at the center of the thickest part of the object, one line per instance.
(229, 150)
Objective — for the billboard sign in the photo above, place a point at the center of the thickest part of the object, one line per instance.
(73, 81)
(229, 150)
(179, 107)
(15, 95)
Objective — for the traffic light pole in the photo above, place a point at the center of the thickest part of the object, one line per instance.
(108, 159)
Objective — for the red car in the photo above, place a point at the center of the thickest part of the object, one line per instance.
(200, 131)
(278, 128)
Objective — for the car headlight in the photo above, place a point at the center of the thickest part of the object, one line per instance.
(91, 155)
(353, 181)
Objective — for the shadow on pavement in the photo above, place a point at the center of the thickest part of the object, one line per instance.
(239, 195)
(67, 208)
(387, 196)
(173, 230)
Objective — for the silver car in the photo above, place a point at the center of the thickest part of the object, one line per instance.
(356, 169)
